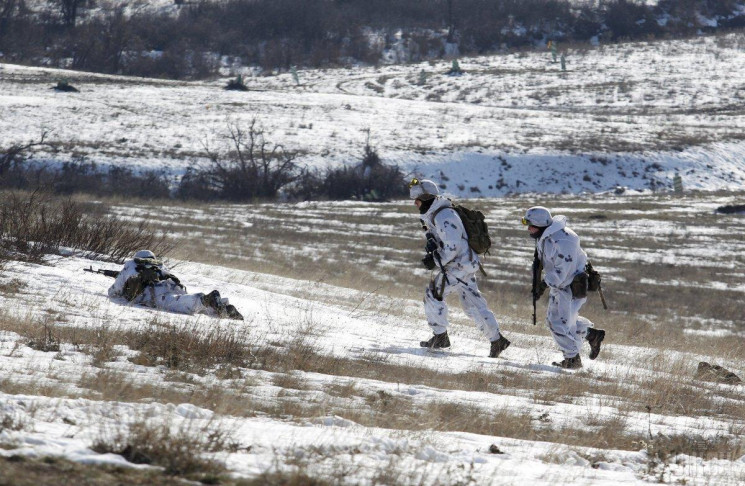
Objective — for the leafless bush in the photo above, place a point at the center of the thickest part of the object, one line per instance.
(36, 224)
(180, 451)
(46, 341)
(251, 169)
(10, 420)
(11, 287)
(15, 155)
(370, 180)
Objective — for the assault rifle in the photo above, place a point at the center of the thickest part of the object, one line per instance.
(537, 267)
(432, 250)
(108, 273)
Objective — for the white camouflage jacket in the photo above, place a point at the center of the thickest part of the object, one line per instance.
(148, 297)
(561, 254)
(451, 237)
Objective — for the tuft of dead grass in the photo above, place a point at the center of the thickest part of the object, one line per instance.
(180, 451)
(190, 348)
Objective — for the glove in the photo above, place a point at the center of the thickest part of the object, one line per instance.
(431, 243)
(541, 289)
(429, 261)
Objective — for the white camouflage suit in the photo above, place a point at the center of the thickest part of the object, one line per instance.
(165, 295)
(563, 258)
(461, 265)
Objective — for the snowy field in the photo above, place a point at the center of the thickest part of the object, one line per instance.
(630, 115)
(333, 385)
(325, 379)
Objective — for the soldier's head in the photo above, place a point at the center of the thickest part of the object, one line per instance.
(423, 192)
(537, 219)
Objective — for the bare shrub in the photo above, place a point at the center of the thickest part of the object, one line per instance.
(16, 154)
(10, 420)
(43, 337)
(36, 224)
(252, 168)
(114, 180)
(11, 287)
(370, 180)
(180, 451)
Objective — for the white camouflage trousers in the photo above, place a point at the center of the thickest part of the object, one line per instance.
(567, 326)
(170, 297)
(473, 303)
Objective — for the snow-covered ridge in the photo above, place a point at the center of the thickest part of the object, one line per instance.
(629, 114)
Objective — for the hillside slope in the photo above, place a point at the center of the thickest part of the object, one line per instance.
(630, 115)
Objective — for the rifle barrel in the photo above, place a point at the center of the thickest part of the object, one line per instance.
(602, 298)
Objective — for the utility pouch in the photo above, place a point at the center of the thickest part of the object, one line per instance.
(133, 287)
(579, 286)
(593, 281)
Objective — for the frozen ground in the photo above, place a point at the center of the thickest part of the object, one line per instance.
(385, 408)
(630, 115)
(67, 426)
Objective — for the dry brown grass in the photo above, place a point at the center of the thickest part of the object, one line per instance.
(180, 451)
(23, 471)
(192, 348)
(651, 316)
(385, 250)
(34, 224)
(670, 389)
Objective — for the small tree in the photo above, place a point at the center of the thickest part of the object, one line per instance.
(252, 168)
(69, 10)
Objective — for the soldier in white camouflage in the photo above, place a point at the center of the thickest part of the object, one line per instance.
(146, 281)
(455, 264)
(564, 262)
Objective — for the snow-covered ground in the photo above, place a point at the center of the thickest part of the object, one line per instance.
(381, 406)
(629, 114)
(335, 280)
(66, 426)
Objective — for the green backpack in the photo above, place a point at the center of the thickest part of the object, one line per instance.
(475, 226)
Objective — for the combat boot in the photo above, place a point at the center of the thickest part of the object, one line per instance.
(214, 301)
(233, 313)
(595, 338)
(569, 363)
(498, 346)
(437, 341)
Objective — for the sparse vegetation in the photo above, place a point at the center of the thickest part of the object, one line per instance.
(320, 33)
(251, 168)
(230, 371)
(35, 224)
(369, 180)
(180, 450)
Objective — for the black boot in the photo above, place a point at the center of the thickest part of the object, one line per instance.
(595, 338)
(214, 301)
(232, 312)
(569, 363)
(498, 346)
(437, 341)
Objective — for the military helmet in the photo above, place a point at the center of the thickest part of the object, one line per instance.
(538, 216)
(423, 189)
(145, 254)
